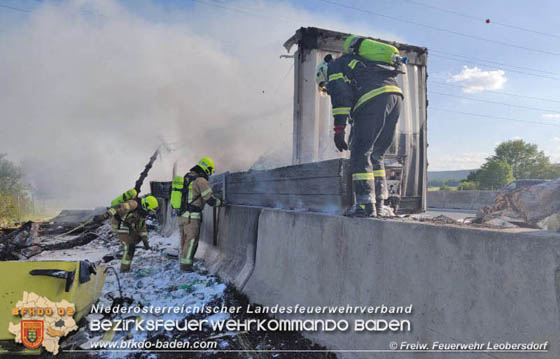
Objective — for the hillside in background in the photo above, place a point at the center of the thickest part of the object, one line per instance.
(450, 178)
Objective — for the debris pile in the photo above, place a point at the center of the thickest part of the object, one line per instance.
(31, 238)
(155, 280)
(14, 241)
(535, 206)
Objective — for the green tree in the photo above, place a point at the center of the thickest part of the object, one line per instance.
(472, 176)
(525, 159)
(553, 171)
(467, 186)
(15, 203)
(494, 174)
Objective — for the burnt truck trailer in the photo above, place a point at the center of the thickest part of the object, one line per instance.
(319, 178)
(405, 161)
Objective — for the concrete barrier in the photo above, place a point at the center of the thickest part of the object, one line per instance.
(437, 199)
(486, 198)
(230, 253)
(465, 285)
(470, 200)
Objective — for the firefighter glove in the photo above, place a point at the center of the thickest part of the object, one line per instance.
(339, 138)
(100, 218)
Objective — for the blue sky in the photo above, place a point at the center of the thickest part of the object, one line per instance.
(457, 141)
(462, 138)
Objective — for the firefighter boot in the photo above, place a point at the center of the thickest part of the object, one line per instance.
(186, 267)
(128, 254)
(380, 211)
(380, 189)
(361, 210)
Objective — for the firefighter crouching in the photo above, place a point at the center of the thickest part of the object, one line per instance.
(128, 195)
(125, 196)
(189, 195)
(129, 224)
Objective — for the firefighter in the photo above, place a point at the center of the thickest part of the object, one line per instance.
(189, 195)
(364, 92)
(129, 223)
(127, 195)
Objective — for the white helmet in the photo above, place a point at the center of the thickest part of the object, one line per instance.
(322, 76)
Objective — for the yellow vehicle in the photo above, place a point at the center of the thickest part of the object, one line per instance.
(78, 282)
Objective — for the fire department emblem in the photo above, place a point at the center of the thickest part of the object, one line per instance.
(32, 333)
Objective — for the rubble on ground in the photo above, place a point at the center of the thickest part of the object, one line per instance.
(551, 223)
(155, 279)
(440, 219)
(76, 216)
(444, 220)
(500, 223)
(535, 206)
(14, 241)
(31, 238)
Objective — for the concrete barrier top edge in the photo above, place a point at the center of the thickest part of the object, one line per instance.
(503, 233)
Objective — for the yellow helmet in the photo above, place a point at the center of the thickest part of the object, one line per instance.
(127, 195)
(130, 194)
(350, 44)
(207, 165)
(150, 203)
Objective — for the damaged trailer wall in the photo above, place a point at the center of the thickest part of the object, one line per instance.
(320, 187)
(313, 122)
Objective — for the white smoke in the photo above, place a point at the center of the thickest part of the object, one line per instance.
(89, 88)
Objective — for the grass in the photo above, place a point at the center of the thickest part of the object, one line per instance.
(450, 188)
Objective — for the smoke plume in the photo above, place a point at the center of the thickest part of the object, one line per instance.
(89, 89)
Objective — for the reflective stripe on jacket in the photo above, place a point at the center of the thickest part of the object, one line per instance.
(353, 81)
(131, 221)
(199, 192)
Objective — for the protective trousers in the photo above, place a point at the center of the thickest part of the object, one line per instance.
(190, 230)
(373, 131)
(129, 242)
